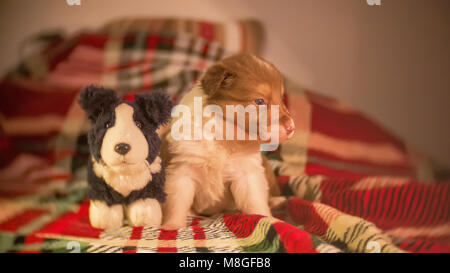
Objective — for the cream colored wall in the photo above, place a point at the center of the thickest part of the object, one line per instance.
(392, 60)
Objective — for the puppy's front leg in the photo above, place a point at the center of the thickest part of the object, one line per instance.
(180, 191)
(250, 192)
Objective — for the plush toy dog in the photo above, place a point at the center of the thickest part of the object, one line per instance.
(125, 171)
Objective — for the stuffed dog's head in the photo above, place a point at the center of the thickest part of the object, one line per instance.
(123, 133)
(246, 79)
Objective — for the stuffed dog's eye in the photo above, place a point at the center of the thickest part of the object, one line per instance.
(259, 101)
(109, 124)
(138, 124)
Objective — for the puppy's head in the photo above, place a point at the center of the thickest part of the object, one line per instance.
(248, 80)
(124, 133)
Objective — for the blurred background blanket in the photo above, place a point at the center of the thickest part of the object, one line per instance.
(349, 185)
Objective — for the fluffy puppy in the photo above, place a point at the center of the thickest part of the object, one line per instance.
(209, 176)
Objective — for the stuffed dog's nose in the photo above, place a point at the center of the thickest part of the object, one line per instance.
(122, 148)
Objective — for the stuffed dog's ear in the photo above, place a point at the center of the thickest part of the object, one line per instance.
(156, 106)
(217, 77)
(95, 99)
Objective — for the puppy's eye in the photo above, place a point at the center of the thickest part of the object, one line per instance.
(138, 124)
(259, 101)
(109, 124)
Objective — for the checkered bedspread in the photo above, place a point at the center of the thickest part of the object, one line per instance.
(350, 185)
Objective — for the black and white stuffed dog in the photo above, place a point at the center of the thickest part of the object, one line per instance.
(125, 172)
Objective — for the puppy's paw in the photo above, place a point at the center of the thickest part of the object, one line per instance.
(105, 217)
(173, 225)
(145, 212)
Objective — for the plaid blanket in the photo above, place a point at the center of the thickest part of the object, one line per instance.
(348, 184)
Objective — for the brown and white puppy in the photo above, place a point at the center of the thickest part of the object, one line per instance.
(211, 176)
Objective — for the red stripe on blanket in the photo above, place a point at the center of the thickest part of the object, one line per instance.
(423, 245)
(136, 234)
(303, 213)
(152, 42)
(93, 40)
(22, 219)
(167, 235)
(57, 55)
(73, 224)
(17, 101)
(206, 30)
(349, 125)
(412, 204)
(5, 143)
(132, 250)
(241, 225)
(317, 169)
(333, 186)
(294, 239)
(282, 181)
(199, 232)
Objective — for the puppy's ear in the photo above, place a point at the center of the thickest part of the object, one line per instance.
(95, 99)
(217, 77)
(156, 106)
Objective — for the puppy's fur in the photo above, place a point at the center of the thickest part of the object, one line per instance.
(125, 169)
(212, 176)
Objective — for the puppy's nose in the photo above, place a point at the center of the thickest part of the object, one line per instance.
(289, 126)
(122, 148)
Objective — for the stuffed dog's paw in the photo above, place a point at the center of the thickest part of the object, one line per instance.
(103, 216)
(145, 212)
